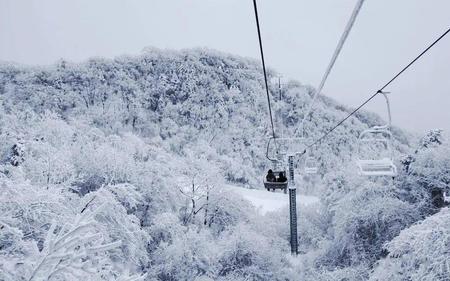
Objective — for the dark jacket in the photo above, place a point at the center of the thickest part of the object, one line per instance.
(270, 177)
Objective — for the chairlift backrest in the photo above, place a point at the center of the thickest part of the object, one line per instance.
(376, 135)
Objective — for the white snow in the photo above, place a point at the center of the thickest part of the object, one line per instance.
(268, 201)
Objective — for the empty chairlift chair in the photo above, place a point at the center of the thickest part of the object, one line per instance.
(311, 166)
(375, 153)
(382, 166)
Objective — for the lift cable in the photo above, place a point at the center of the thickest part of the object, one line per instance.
(378, 91)
(336, 53)
(264, 67)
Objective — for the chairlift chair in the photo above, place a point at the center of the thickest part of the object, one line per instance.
(311, 165)
(277, 150)
(273, 185)
(377, 136)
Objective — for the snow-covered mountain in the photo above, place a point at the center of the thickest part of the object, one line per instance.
(183, 98)
(116, 170)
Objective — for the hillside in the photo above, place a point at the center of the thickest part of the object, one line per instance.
(119, 169)
(185, 99)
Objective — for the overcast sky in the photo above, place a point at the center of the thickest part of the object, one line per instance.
(299, 38)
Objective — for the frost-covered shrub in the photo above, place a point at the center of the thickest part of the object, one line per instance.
(226, 210)
(88, 184)
(249, 254)
(166, 227)
(354, 273)
(236, 173)
(130, 197)
(189, 255)
(74, 250)
(339, 183)
(121, 225)
(426, 173)
(48, 154)
(14, 249)
(43, 234)
(313, 223)
(432, 168)
(419, 252)
(31, 209)
(363, 221)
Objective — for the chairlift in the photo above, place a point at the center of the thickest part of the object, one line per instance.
(277, 151)
(279, 182)
(378, 138)
(311, 165)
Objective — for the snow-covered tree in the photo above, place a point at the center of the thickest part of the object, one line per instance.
(419, 252)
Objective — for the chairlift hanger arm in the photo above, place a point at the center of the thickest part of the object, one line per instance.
(267, 150)
(388, 105)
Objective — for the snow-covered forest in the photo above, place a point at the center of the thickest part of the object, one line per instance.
(119, 169)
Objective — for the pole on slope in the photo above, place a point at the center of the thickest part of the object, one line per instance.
(279, 87)
(292, 207)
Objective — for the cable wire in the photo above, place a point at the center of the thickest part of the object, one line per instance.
(336, 53)
(264, 67)
(379, 91)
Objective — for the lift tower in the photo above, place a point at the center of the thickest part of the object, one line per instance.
(293, 206)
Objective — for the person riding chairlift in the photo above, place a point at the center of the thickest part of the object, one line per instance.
(282, 177)
(271, 176)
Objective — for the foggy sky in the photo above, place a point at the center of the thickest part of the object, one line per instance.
(299, 37)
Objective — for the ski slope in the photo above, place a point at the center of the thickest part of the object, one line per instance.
(266, 201)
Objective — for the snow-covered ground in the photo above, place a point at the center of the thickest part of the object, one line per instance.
(266, 201)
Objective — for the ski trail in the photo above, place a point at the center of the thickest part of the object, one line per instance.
(266, 201)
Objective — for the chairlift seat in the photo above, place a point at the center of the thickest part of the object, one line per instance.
(273, 185)
(378, 167)
(311, 166)
(372, 138)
